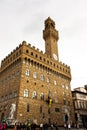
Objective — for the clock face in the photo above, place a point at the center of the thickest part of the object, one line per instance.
(55, 56)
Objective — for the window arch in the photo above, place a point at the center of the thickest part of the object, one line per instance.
(26, 93)
(27, 72)
(27, 51)
(34, 95)
(42, 96)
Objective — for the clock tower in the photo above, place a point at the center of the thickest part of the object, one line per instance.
(50, 35)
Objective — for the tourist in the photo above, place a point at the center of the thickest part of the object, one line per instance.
(41, 126)
(69, 126)
(65, 126)
(0, 126)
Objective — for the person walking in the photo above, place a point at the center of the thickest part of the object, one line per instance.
(28, 125)
(69, 126)
(65, 125)
(41, 126)
(55, 125)
(0, 126)
(4, 126)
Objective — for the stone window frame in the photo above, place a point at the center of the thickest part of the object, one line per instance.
(35, 75)
(42, 78)
(26, 93)
(27, 72)
(34, 95)
(42, 96)
(55, 82)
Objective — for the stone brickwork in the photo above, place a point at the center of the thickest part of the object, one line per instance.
(28, 77)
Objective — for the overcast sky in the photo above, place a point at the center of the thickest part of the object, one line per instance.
(24, 20)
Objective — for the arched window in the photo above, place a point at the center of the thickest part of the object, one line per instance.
(34, 96)
(42, 96)
(55, 82)
(42, 78)
(27, 51)
(27, 72)
(26, 93)
(35, 75)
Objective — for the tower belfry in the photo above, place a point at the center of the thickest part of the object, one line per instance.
(50, 35)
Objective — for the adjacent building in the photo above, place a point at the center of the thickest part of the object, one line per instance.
(36, 85)
(80, 104)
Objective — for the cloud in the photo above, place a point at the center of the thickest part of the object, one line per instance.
(24, 20)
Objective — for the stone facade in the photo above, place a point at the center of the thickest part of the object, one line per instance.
(80, 104)
(29, 78)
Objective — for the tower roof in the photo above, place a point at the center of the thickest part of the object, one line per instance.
(49, 23)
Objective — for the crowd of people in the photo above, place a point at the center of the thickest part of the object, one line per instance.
(33, 126)
(29, 126)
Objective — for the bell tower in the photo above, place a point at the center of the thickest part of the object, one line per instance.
(50, 35)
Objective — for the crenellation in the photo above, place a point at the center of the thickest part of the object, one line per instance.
(38, 49)
(29, 44)
(65, 65)
(20, 45)
(59, 65)
(17, 48)
(42, 52)
(33, 47)
(10, 57)
(29, 72)
(24, 43)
